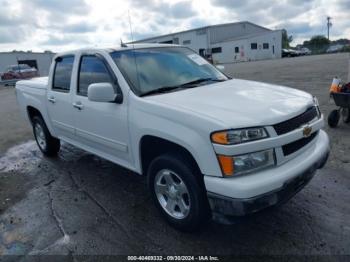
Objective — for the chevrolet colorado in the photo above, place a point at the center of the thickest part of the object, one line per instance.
(209, 145)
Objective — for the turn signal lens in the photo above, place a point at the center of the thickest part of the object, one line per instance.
(238, 136)
(226, 164)
(220, 138)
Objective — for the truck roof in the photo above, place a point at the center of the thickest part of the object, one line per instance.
(119, 48)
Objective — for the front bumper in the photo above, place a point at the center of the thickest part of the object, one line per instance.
(292, 176)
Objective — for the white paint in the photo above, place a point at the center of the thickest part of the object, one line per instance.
(101, 92)
(187, 118)
(270, 179)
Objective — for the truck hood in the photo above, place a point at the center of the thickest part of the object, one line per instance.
(239, 103)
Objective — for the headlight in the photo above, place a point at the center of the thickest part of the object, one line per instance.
(238, 136)
(247, 163)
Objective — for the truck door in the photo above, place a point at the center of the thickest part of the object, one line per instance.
(59, 98)
(100, 127)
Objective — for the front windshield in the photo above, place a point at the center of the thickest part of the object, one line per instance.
(149, 69)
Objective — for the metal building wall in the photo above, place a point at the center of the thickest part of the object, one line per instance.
(11, 58)
(227, 36)
(223, 32)
(198, 39)
(228, 54)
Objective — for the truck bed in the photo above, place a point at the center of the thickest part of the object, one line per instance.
(32, 93)
(37, 82)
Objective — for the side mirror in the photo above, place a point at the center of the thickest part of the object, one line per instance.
(220, 67)
(101, 92)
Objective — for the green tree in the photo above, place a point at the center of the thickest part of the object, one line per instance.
(286, 40)
(317, 43)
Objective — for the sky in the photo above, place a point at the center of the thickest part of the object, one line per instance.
(60, 25)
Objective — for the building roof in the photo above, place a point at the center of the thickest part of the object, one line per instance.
(130, 46)
(201, 28)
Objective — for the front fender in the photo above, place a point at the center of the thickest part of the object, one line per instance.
(197, 144)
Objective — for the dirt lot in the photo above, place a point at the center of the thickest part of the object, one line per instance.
(80, 204)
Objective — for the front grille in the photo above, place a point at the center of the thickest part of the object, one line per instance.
(291, 124)
(296, 145)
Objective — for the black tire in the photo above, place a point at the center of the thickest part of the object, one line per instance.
(52, 145)
(199, 211)
(333, 118)
(346, 115)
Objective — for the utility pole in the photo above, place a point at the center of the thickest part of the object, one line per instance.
(329, 24)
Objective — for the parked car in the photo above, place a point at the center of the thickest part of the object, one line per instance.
(289, 53)
(304, 51)
(335, 48)
(207, 144)
(21, 71)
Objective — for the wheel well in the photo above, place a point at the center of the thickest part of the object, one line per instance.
(32, 111)
(152, 147)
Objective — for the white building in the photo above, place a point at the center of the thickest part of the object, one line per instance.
(40, 61)
(227, 43)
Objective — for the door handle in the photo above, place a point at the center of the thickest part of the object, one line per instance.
(52, 99)
(78, 105)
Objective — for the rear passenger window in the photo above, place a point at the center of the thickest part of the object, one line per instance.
(63, 73)
(92, 70)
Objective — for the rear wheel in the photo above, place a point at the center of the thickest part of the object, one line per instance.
(178, 192)
(333, 118)
(346, 115)
(47, 144)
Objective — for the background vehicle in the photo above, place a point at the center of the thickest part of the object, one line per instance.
(334, 48)
(305, 51)
(209, 145)
(289, 53)
(21, 71)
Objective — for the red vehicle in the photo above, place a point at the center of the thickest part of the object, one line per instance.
(21, 71)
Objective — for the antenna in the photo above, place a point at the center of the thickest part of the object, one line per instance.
(133, 50)
(131, 34)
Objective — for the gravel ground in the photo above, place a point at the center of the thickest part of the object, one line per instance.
(79, 204)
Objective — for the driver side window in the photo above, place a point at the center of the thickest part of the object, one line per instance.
(92, 70)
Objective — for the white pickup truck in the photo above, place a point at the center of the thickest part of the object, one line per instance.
(209, 145)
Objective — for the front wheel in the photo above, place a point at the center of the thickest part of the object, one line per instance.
(178, 192)
(47, 144)
(333, 118)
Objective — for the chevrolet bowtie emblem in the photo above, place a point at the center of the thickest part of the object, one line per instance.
(307, 131)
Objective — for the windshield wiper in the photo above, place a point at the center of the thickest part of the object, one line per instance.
(163, 89)
(190, 84)
(201, 80)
